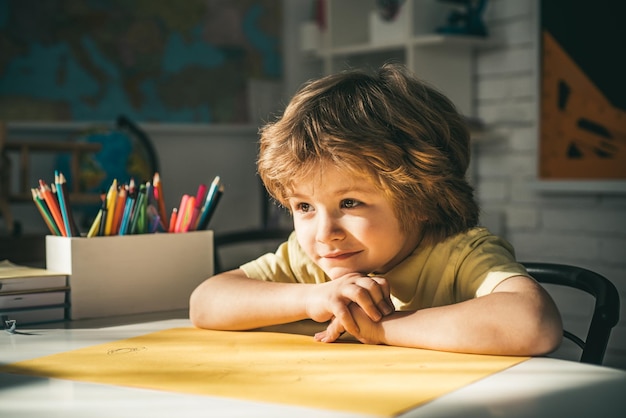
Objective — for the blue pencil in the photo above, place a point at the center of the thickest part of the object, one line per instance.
(63, 204)
(212, 199)
(128, 210)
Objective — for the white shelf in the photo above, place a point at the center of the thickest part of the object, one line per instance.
(434, 40)
(440, 40)
(360, 49)
(580, 186)
(353, 38)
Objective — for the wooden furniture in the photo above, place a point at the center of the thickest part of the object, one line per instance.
(24, 150)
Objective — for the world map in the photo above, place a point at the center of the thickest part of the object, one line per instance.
(157, 61)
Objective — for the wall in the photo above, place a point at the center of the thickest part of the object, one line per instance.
(586, 229)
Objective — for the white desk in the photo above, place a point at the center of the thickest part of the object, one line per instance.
(539, 387)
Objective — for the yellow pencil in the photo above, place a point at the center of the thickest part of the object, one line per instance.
(111, 201)
(95, 226)
(93, 231)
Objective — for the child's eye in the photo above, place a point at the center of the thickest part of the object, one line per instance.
(303, 207)
(350, 203)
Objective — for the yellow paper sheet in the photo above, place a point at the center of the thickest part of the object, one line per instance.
(272, 367)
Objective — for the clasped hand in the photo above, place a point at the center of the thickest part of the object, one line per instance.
(352, 303)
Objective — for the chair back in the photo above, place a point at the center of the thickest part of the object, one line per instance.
(606, 308)
(251, 236)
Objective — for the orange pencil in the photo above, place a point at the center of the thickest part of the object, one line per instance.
(173, 218)
(119, 210)
(53, 206)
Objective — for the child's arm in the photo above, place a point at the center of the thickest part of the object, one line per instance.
(233, 301)
(517, 318)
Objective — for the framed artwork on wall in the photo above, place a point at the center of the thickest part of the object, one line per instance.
(582, 137)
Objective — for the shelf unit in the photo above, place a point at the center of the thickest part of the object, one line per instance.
(355, 36)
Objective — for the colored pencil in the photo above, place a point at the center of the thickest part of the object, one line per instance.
(111, 201)
(127, 208)
(160, 199)
(182, 209)
(200, 196)
(153, 218)
(53, 206)
(95, 226)
(128, 212)
(142, 221)
(173, 219)
(64, 205)
(120, 206)
(45, 213)
(103, 218)
(211, 211)
(188, 214)
(212, 199)
(138, 209)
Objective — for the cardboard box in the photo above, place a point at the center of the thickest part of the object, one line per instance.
(119, 275)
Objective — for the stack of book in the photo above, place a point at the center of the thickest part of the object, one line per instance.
(31, 295)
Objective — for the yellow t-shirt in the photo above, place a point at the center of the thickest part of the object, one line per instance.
(464, 266)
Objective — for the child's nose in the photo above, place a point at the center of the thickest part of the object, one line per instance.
(328, 227)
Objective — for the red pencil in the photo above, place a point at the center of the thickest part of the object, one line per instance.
(158, 191)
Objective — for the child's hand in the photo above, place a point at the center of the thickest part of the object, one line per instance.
(368, 329)
(331, 300)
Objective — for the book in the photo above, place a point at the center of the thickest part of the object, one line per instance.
(23, 279)
(32, 295)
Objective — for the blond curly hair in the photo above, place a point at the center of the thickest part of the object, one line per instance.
(399, 131)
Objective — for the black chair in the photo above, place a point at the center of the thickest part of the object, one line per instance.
(268, 234)
(606, 309)
(247, 237)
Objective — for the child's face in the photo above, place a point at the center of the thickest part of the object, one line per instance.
(347, 225)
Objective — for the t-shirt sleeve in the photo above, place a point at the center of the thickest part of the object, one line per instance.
(289, 264)
(484, 263)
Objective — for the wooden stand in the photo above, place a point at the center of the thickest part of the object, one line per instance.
(25, 149)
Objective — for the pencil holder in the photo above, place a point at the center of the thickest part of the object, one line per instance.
(129, 274)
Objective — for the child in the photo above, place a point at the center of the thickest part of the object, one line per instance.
(385, 247)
